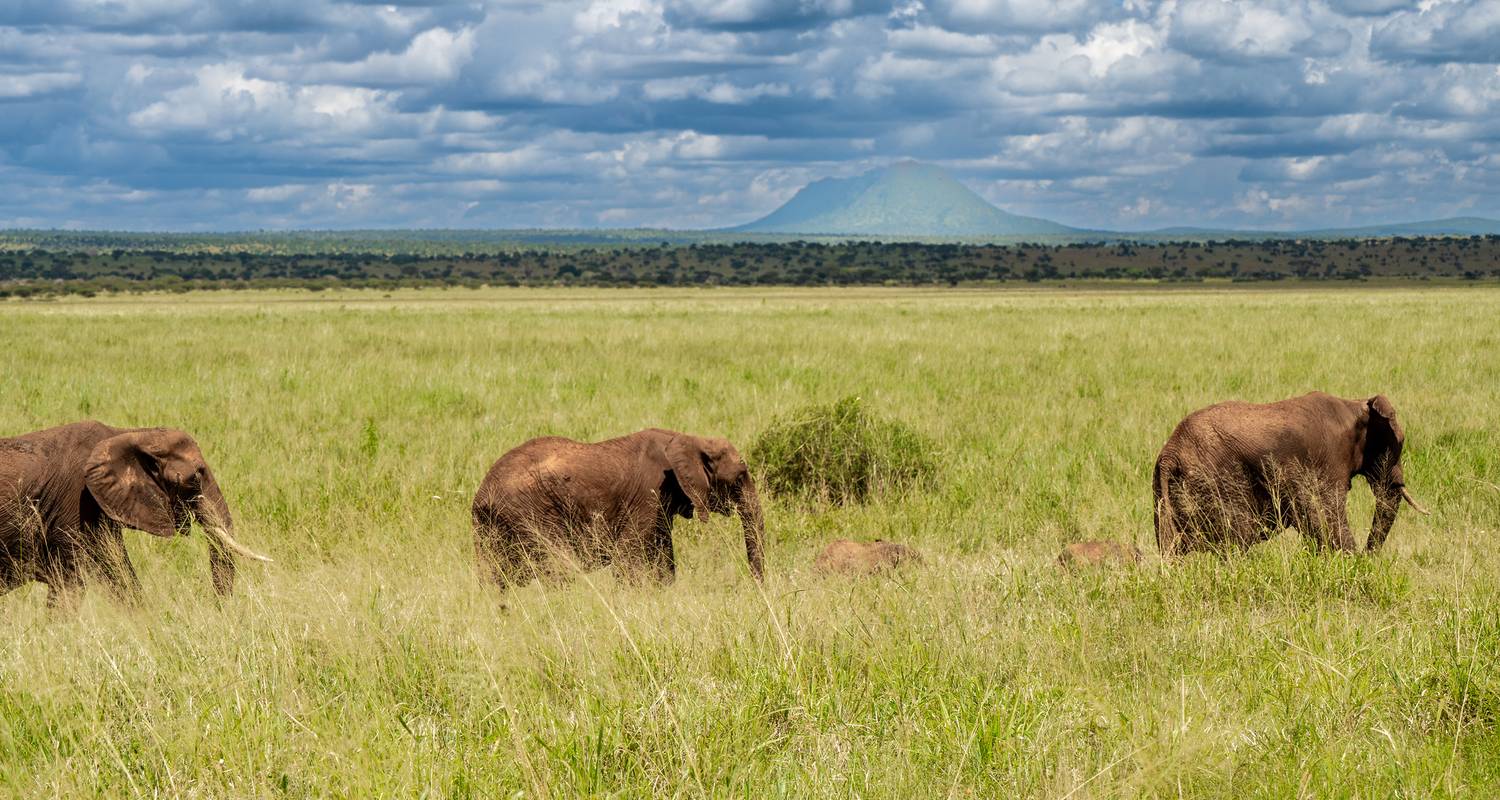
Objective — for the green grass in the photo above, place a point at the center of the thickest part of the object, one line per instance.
(841, 452)
(350, 429)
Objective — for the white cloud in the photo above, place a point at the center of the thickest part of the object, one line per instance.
(928, 39)
(1443, 31)
(1013, 16)
(274, 194)
(13, 87)
(223, 103)
(433, 56)
(1254, 30)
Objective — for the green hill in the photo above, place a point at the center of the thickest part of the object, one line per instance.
(906, 199)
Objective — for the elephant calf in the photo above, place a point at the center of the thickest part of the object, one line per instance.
(66, 493)
(1233, 474)
(554, 504)
(1098, 553)
(848, 557)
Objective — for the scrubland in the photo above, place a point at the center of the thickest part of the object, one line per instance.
(349, 430)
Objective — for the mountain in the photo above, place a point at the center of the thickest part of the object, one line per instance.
(1451, 226)
(905, 199)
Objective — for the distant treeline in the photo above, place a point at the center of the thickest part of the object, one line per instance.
(42, 271)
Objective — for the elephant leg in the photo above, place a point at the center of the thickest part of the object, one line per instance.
(1245, 522)
(113, 564)
(62, 570)
(643, 550)
(64, 589)
(63, 598)
(553, 572)
(1336, 520)
(1321, 519)
(661, 556)
(500, 561)
(1224, 516)
(633, 566)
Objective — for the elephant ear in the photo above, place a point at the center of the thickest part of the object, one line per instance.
(685, 455)
(118, 477)
(1381, 408)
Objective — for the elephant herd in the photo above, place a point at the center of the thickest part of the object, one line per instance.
(1230, 475)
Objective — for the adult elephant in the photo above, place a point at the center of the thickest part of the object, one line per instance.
(1235, 473)
(554, 504)
(67, 493)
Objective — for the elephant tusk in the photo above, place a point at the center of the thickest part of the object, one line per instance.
(1405, 495)
(214, 526)
(229, 542)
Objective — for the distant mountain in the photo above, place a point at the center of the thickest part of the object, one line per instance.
(905, 199)
(1451, 226)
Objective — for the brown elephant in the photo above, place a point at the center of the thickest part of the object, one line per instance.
(848, 557)
(67, 493)
(1098, 553)
(553, 504)
(1233, 474)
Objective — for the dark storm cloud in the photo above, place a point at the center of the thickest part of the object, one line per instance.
(192, 114)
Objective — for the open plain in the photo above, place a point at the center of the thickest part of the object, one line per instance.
(349, 430)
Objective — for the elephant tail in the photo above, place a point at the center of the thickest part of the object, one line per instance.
(1168, 537)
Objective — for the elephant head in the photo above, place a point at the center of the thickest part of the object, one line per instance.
(1380, 463)
(157, 481)
(714, 479)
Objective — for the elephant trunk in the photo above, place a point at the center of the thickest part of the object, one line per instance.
(212, 512)
(1387, 503)
(747, 505)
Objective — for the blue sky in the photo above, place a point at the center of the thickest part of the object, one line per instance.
(245, 114)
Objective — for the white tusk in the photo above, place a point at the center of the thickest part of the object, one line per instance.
(229, 542)
(213, 526)
(1405, 495)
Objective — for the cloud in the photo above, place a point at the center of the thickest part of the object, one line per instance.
(750, 15)
(1460, 32)
(432, 56)
(932, 40)
(1249, 31)
(336, 113)
(1024, 16)
(36, 84)
(1370, 8)
(222, 103)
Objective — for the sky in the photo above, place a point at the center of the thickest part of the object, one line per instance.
(1125, 114)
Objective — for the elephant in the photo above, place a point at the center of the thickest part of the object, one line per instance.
(553, 504)
(67, 493)
(1235, 473)
(1098, 553)
(848, 557)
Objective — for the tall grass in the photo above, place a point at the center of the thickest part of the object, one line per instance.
(349, 431)
(840, 453)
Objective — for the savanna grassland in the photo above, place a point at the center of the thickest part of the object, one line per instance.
(350, 428)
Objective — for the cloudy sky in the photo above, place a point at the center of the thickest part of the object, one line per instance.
(245, 114)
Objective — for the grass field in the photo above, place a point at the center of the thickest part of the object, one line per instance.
(350, 429)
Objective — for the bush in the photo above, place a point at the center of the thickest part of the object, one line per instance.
(841, 453)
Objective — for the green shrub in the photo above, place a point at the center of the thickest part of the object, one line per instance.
(841, 453)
